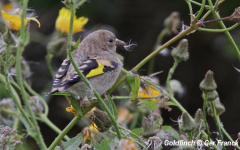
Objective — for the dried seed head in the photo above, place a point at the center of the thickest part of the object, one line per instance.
(208, 84)
(148, 129)
(198, 119)
(180, 53)
(236, 15)
(186, 124)
(220, 109)
(154, 143)
(172, 21)
(211, 96)
(102, 120)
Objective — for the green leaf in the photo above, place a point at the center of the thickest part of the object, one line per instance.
(76, 45)
(102, 146)
(57, 93)
(134, 82)
(76, 105)
(170, 130)
(137, 131)
(169, 103)
(150, 104)
(73, 143)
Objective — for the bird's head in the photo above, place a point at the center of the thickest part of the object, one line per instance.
(107, 40)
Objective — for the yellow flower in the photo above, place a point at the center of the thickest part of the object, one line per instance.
(63, 22)
(7, 6)
(13, 21)
(72, 110)
(90, 133)
(148, 92)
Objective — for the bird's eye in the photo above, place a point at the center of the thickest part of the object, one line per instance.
(111, 40)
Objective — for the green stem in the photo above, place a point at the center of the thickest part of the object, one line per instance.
(46, 109)
(190, 136)
(133, 134)
(129, 97)
(113, 133)
(171, 71)
(21, 45)
(158, 42)
(200, 12)
(84, 78)
(190, 9)
(51, 125)
(64, 132)
(228, 35)
(196, 3)
(220, 30)
(134, 121)
(204, 115)
(224, 131)
(217, 123)
(49, 64)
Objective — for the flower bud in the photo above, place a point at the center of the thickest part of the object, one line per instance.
(148, 130)
(172, 21)
(7, 37)
(102, 120)
(198, 119)
(180, 53)
(211, 96)
(154, 143)
(186, 124)
(208, 84)
(220, 109)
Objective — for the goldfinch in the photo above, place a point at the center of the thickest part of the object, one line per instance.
(96, 59)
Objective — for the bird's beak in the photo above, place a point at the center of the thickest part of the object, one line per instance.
(120, 43)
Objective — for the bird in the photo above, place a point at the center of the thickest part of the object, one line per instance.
(96, 58)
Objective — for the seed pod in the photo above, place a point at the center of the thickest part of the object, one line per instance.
(208, 84)
(180, 53)
(187, 124)
(102, 120)
(220, 109)
(211, 96)
(148, 130)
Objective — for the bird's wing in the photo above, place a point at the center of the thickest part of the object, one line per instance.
(90, 68)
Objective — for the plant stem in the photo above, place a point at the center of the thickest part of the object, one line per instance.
(200, 12)
(130, 132)
(51, 125)
(190, 9)
(224, 131)
(49, 64)
(46, 109)
(217, 123)
(228, 35)
(64, 132)
(158, 42)
(171, 71)
(84, 78)
(204, 115)
(113, 133)
(219, 30)
(21, 45)
(134, 121)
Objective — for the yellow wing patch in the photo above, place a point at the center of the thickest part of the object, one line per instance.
(96, 71)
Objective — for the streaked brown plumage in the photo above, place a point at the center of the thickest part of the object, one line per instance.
(97, 60)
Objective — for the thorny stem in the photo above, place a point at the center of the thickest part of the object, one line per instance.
(224, 131)
(21, 45)
(204, 116)
(64, 132)
(216, 122)
(171, 71)
(72, 9)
